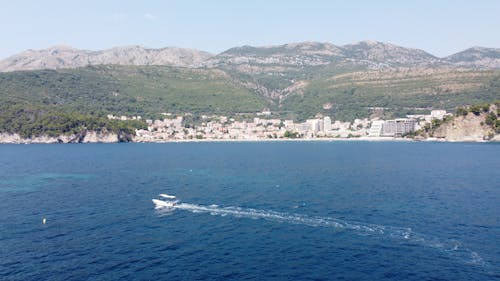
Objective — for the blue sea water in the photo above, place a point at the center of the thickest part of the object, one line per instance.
(251, 211)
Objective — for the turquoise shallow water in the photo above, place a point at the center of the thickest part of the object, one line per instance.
(252, 211)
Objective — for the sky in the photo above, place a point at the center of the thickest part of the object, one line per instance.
(440, 27)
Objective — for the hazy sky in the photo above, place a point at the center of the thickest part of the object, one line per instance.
(439, 27)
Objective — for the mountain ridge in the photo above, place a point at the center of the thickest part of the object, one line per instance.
(57, 57)
(370, 54)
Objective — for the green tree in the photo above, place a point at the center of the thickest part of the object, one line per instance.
(461, 111)
(491, 119)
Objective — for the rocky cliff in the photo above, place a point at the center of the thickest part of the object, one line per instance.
(464, 128)
(469, 127)
(83, 137)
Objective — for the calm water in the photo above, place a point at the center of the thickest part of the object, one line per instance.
(251, 211)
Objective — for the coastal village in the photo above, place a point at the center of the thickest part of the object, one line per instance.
(474, 124)
(264, 127)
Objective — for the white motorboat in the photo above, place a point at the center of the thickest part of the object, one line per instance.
(163, 203)
(159, 204)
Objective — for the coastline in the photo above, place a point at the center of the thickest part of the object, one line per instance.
(113, 138)
(363, 139)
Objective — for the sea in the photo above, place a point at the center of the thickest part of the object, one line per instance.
(341, 210)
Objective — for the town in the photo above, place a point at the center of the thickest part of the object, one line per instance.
(263, 127)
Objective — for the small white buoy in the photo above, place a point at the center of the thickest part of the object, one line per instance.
(44, 220)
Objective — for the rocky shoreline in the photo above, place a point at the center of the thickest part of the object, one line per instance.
(82, 137)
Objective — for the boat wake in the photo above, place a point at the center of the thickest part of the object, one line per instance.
(405, 235)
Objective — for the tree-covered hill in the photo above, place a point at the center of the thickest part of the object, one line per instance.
(130, 90)
(344, 94)
(398, 91)
(69, 101)
(37, 120)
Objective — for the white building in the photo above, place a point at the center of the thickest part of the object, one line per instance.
(314, 125)
(438, 114)
(288, 124)
(337, 125)
(302, 127)
(398, 127)
(376, 128)
(327, 124)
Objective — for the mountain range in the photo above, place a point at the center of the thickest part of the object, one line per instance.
(297, 80)
(370, 54)
(67, 57)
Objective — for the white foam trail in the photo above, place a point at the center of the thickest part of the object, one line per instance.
(406, 235)
(287, 217)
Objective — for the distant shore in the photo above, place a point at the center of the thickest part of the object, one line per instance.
(111, 138)
(390, 139)
(359, 139)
